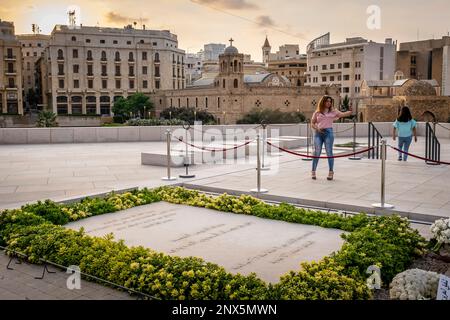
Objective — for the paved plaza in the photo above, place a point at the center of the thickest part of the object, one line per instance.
(60, 171)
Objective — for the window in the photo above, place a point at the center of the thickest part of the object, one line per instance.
(34, 54)
(76, 68)
(115, 42)
(413, 72)
(324, 67)
(76, 83)
(157, 74)
(77, 105)
(346, 65)
(413, 59)
(105, 105)
(144, 70)
(60, 69)
(206, 102)
(145, 84)
(102, 41)
(324, 79)
(117, 56)
(236, 83)
(130, 56)
(75, 53)
(131, 71)
(104, 84)
(61, 83)
(103, 56)
(74, 39)
(61, 104)
(89, 55)
(131, 84)
(91, 105)
(346, 77)
(118, 84)
(60, 54)
(88, 40)
(346, 90)
(339, 78)
(128, 42)
(381, 52)
(331, 78)
(89, 70)
(144, 55)
(339, 65)
(332, 66)
(11, 83)
(157, 84)
(117, 71)
(155, 44)
(218, 103)
(104, 72)
(90, 83)
(28, 66)
(157, 57)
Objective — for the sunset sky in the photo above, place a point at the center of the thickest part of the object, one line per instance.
(197, 22)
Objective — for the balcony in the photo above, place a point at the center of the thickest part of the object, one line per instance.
(104, 74)
(158, 61)
(90, 75)
(89, 59)
(117, 75)
(131, 75)
(117, 61)
(103, 60)
(10, 58)
(61, 74)
(11, 87)
(60, 59)
(157, 75)
(10, 72)
(131, 61)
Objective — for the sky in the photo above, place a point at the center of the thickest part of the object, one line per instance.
(197, 22)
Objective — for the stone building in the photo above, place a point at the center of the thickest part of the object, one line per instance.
(232, 93)
(33, 47)
(11, 100)
(349, 63)
(382, 100)
(426, 59)
(286, 62)
(88, 68)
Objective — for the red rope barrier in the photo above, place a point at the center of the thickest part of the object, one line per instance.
(215, 150)
(314, 157)
(420, 158)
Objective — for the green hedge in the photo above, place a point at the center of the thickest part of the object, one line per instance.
(36, 230)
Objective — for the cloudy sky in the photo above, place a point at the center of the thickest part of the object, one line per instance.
(197, 22)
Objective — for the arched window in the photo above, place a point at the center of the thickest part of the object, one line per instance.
(61, 105)
(74, 38)
(235, 66)
(77, 105)
(130, 56)
(236, 83)
(103, 55)
(117, 56)
(89, 55)
(157, 57)
(60, 54)
(91, 105)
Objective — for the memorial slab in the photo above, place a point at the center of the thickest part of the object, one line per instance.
(241, 244)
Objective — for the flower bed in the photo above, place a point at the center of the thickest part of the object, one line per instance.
(37, 231)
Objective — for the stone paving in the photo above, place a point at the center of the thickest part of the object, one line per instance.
(33, 172)
(20, 284)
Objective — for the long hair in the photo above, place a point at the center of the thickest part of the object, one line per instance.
(405, 115)
(321, 104)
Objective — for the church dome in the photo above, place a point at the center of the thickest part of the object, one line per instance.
(231, 50)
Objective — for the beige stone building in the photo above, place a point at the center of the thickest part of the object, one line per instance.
(11, 101)
(85, 69)
(33, 47)
(426, 59)
(286, 62)
(232, 93)
(382, 100)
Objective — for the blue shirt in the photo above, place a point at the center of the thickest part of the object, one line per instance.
(405, 129)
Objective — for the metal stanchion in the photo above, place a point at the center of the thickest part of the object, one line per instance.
(258, 168)
(383, 204)
(264, 142)
(169, 158)
(308, 139)
(354, 157)
(187, 159)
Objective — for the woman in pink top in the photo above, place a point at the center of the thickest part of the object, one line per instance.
(322, 123)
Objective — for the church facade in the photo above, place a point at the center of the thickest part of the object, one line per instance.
(232, 94)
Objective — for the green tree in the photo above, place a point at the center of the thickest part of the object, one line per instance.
(46, 119)
(140, 104)
(121, 110)
(256, 116)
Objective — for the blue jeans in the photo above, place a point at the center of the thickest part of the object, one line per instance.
(320, 138)
(403, 144)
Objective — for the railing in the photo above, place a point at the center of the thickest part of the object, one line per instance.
(432, 145)
(374, 140)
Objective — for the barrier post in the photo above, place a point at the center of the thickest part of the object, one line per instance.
(383, 204)
(264, 148)
(354, 157)
(308, 138)
(187, 159)
(258, 167)
(169, 157)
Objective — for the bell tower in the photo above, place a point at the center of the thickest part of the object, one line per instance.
(231, 76)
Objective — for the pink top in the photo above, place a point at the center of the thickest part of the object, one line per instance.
(325, 120)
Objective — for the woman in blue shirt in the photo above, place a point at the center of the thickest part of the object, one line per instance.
(406, 127)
